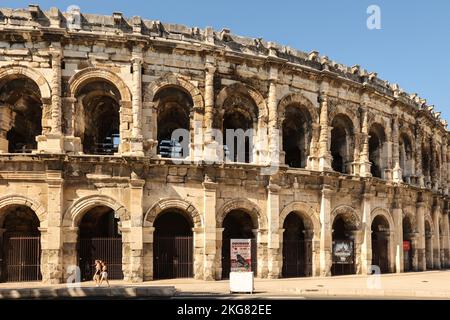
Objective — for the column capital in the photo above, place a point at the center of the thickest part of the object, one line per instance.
(327, 190)
(137, 60)
(273, 188)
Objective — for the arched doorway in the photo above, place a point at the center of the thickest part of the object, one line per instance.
(342, 144)
(99, 238)
(173, 252)
(21, 245)
(99, 117)
(21, 114)
(406, 157)
(174, 107)
(428, 245)
(407, 245)
(237, 225)
(297, 247)
(297, 134)
(239, 126)
(343, 250)
(376, 150)
(380, 243)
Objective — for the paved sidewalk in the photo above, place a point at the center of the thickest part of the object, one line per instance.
(429, 285)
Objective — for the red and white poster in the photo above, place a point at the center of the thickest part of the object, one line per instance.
(241, 255)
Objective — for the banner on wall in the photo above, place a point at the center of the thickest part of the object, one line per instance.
(343, 251)
(241, 255)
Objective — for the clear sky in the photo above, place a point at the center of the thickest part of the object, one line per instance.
(412, 48)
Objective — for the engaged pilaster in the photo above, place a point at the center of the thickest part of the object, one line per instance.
(136, 140)
(273, 241)
(420, 217)
(210, 231)
(325, 158)
(325, 231)
(365, 165)
(53, 142)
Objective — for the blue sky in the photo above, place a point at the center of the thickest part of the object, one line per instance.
(411, 49)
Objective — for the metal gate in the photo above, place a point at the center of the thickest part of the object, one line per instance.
(296, 258)
(173, 257)
(380, 254)
(23, 259)
(108, 250)
(226, 258)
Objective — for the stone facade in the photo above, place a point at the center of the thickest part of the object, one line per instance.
(363, 149)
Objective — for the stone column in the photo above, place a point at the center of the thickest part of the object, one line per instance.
(437, 236)
(420, 217)
(69, 259)
(133, 271)
(213, 150)
(366, 245)
(261, 239)
(365, 165)
(72, 143)
(51, 236)
(397, 213)
(313, 159)
(219, 243)
(325, 232)
(136, 141)
(273, 238)
(53, 141)
(199, 255)
(147, 246)
(356, 154)
(415, 239)
(274, 131)
(210, 231)
(397, 175)
(357, 236)
(324, 152)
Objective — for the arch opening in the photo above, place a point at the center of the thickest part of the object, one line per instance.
(99, 238)
(237, 224)
(297, 247)
(380, 243)
(21, 245)
(239, 125)
(21, 114)
(343, 246)
(408, 233)
(99, 117)
(406, 157)
(174, 107)
(426, 162)
(342, 144)
(173, 245)
(297, 133)
(377, 152)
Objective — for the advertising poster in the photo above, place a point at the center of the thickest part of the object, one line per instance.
(241, 257)
(343, 251)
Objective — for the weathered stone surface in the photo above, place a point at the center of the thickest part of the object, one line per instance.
(379, 163)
